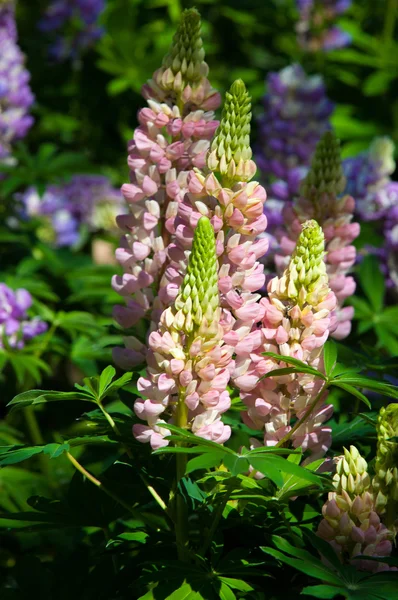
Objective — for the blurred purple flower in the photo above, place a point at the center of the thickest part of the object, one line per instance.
(368, 180)
(316, 29)
(296, 114)
(15, 95)
(85, 199)
(60, 14)
(15, 325)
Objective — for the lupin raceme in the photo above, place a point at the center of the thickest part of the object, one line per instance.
(385, 481)
(230, 152)
(197, 303)
(325, 176)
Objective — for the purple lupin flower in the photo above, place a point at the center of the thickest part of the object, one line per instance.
(15, 95)
(316, 29)
(296, 114)
(16, 327)
(369, 182)
(63, 209)
(57, 16)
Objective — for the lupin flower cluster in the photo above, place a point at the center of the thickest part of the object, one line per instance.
(296, 322)
(189, 365)
(16, 327)
(15, 95)
(296, 114)
(352, 521)
(316, 29)
(321, 198)
(60, 14)
(88, 200)
(235, 207)
(385, 481)
(173, 137)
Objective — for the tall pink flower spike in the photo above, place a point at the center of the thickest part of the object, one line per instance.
(173, 137)
(189, 366)
(296, 323)
(320, 199)
(234, 205)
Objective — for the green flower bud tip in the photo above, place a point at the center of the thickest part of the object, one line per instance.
(307, 268)
(386, 468)
(186, 54)
(198, 297)
(230, 151)
(326, 172)
(382, 150)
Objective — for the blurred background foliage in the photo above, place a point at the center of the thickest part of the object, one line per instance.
(91, 104)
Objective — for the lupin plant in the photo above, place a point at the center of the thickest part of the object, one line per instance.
(385, 481)
(173, 137)
(352, 522)
(188, 364)
(296, 323)
(321, 198)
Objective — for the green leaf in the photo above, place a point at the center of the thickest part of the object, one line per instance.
(352, 390)
(372, 282)
(205, 461)
(236, 464)
(34, 397)
(10, 455)
(282, 466)
(362, 310)
(323, 591)
(367, 383)
(226, 593)
(105, 379)
(185, 592)
(306, 562)
(329, 356)
(301, 366)
(237, 584)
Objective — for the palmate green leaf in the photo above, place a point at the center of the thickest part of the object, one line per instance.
(10, 455)
(35, 397)
(362, 309)
(288, 370)
(386, 338)
(79, 322)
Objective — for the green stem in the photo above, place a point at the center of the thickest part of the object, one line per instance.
(101, 486)
(301, 421)
(180, 506)
(217, 517)
(115, 428)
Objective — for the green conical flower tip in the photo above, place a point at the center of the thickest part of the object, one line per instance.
(186, 54)
(230, 151)
(351, 473)
(326, 172)
(385, 482)
(198, 297)
(307, 269)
